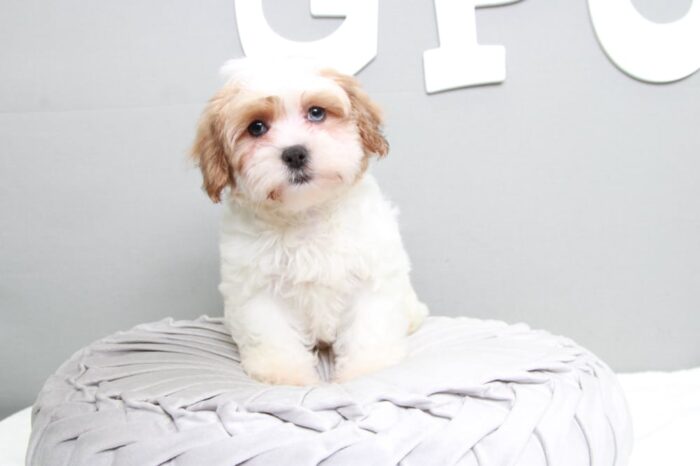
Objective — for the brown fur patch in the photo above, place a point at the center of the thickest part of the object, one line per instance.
(223, 124)
(265, 109)
(366, 114)
(209, 149)
(327, 100)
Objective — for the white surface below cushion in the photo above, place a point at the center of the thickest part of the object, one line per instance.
(14, 437)
(665, 409)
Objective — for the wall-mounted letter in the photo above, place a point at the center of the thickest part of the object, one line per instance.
(646, 50)
(348, 49)
(460, 61)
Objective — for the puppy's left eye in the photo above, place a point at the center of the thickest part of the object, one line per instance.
(316, 114)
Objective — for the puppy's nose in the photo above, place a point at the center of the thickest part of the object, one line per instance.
(295, 157)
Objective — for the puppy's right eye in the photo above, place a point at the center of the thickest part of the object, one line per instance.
(257, 128)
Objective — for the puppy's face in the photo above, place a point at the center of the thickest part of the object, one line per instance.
(285, 137)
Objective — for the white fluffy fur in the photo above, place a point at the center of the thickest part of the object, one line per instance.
(324, 263)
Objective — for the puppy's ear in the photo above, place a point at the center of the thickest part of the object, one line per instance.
(209, 149)
(366, 113)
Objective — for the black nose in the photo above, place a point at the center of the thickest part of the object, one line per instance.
(295, 156)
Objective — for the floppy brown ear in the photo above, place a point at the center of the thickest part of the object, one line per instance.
(209, 150)
(366, 113)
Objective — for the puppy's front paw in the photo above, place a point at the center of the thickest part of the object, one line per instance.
(367, 361)
(280, 367)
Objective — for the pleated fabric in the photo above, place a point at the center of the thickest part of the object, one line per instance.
(470, 392)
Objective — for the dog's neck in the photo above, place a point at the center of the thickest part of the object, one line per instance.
(277, 216)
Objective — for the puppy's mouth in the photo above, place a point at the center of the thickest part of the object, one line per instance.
(299, 177)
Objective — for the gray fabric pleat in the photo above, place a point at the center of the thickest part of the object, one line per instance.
(470, 392)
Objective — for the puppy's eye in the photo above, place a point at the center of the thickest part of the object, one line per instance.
(316, 114)
(257, 128)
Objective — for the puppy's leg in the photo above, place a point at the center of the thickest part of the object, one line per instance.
(271, 342)
(372, 336)
(415, 309)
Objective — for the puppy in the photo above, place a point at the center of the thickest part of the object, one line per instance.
(311, 254)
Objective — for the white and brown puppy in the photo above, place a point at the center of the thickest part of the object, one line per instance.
(310, 249)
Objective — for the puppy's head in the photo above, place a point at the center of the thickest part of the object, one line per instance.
(286, 134)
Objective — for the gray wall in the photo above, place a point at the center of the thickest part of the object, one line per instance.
(567, 197)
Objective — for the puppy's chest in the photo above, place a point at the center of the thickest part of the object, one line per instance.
(314, 260)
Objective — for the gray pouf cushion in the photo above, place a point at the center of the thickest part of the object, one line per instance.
(470, 392)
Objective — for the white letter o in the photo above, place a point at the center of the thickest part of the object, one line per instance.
(646, 50)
